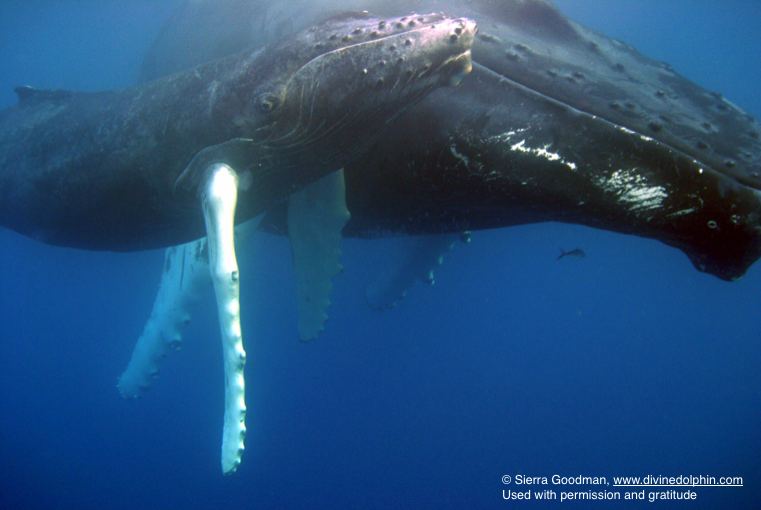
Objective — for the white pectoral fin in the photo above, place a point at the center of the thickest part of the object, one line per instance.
(219, 195)
(316, 216)
(416, 260)
(185, 276)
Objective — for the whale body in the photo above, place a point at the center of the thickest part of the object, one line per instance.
(555, 123)
(120, 170)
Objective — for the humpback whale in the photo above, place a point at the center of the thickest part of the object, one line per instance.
(556, 122)
(190, 154)
(311, 102)
(629, 359)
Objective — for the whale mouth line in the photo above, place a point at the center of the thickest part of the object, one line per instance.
(384, 96)
(305, 133)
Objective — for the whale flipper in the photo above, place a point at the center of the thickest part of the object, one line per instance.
(207, 260)
(219, 197)
(318, 213)
(185, 278)
(316, 216)
(186, 275)
(416, 260)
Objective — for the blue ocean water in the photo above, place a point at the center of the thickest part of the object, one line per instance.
(626, 363)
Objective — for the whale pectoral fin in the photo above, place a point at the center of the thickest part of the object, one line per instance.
(185, 277)
(219, 195)
(316, 216)
(416, 260)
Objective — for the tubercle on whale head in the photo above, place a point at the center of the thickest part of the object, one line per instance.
(356, 61)
(364, 70)
(402, 36)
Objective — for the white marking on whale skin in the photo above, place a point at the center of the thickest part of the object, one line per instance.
(462, 157)
(632, 189)
(213, 96)
(542, 152)
(733, 105)
(521, 147)
(504, 137)
(682, 212)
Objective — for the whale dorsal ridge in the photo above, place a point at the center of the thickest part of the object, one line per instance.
(31, 96)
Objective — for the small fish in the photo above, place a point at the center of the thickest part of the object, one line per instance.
(574, 254)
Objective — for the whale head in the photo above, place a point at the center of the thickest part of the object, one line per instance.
(349, 77)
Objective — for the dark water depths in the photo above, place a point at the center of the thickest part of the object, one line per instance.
(626, 363)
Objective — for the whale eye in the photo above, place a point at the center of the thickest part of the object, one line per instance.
(268, 102)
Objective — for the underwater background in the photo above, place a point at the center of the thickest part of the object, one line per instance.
(628, 362)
